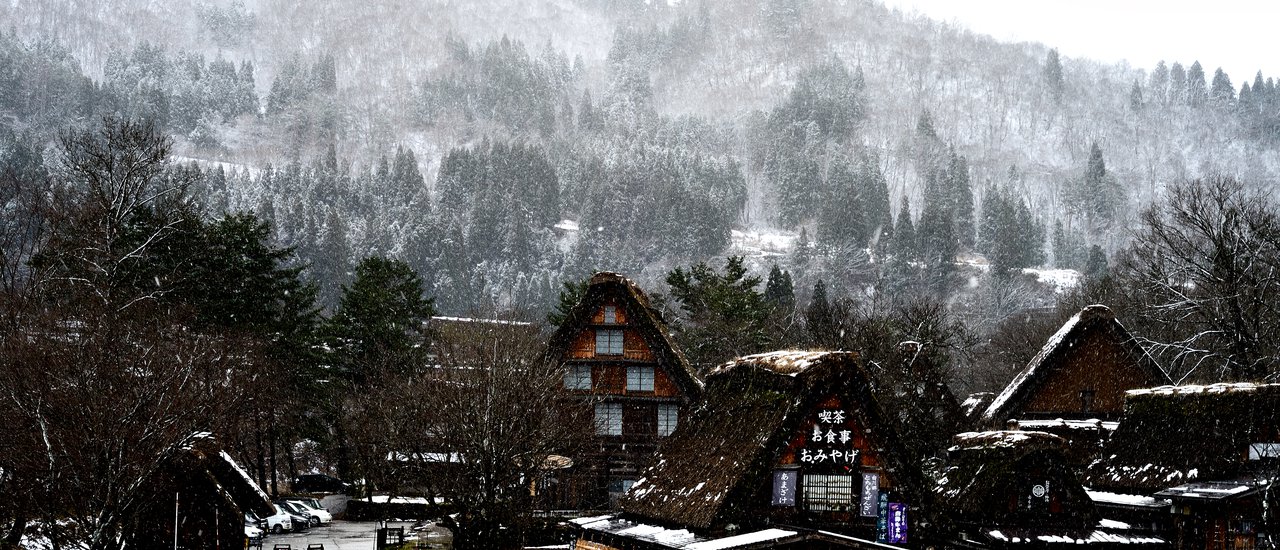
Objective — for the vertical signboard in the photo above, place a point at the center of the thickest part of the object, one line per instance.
(870, 495)
(897, 523)
(882, 517)
(784, 487)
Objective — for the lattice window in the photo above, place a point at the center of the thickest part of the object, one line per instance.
(668, 417)
(608, 342)
(827, 492)
(639, 378)
(609, 418)
(578, 377)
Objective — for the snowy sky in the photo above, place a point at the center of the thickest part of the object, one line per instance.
(1237, 35)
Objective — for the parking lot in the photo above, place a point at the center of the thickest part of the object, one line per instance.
(354, 535)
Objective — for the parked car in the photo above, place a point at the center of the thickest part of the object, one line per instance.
(319, 483)
(281, 522)
(252, 520)
(309, 516)
(253, 534)
(313, 507)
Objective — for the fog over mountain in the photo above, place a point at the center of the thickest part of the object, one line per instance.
(457, 135)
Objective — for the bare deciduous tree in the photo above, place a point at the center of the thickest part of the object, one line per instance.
(1206, 267)
(90, 412)
(116, 205)
(484, 425)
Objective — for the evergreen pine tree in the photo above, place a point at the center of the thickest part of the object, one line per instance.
(1135, 97)
(1053, 75)
(961, 200)
(820, 320)
(1197, 93)
(779, 291)
(1159, 84)
(1222, 92)
(874, 189)
(840, 220)
(1096, 266)
(381, 320)
(1177, 84)
(905, 244)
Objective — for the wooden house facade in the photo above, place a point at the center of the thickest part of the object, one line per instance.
(620, 359)
(1207, 457)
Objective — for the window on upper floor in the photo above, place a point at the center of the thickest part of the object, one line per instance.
(578, 377)
(609, 342)
(668, 416)
(610, 315)
(609, 418)
(640, 378)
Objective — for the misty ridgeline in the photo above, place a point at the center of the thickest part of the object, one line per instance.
(894, 169)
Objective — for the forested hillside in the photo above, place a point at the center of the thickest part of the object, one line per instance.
(501, 148)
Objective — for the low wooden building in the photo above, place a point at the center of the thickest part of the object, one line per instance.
(790, 441)
(622, 361)
(1017, 489)
(1210, 454)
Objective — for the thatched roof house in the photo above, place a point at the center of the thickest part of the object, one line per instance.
(212, 492)
(1210, 453)
(1081, 372)
(1172, 435)
(1014, 488)
(781, 438)
(646, 330)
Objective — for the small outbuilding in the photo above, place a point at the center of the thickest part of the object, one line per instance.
(208, 494)
(1016, 489)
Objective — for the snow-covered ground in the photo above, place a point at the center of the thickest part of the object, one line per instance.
(761, 243)
(1061, 280)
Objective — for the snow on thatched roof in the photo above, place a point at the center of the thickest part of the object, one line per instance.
(1005, 439)
(682, 539)
(1091, 319)
(641, 315)
(788, 362)
(1215, 426)
(1128, 500)
(205, 458)
(986, 469)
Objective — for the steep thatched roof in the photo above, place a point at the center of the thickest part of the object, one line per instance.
(986, 469)
(1177, 434)
(640, 314)
(205, 458)
(714, 468)
(1090, 321)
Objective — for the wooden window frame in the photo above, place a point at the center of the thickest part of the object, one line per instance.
(668, 418)
(574, 378)
(613, 341)
(641, 378)
(608, 418)
(828, 492)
